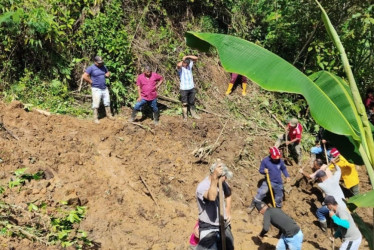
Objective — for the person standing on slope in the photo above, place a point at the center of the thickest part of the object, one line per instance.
(187, 86)
(236, 77)
(95, 75)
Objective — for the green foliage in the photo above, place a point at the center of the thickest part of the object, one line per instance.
(53, 95)
(21, 177)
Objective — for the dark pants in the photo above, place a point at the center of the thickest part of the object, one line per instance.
(188, 96)
(213, 240)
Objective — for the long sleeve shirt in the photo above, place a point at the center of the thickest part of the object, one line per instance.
(275, 169)
(331, 187)
(276, 217)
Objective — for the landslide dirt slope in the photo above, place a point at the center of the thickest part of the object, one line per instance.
(102, 165)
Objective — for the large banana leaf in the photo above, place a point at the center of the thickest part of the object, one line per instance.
(363, 200)
(274, 73)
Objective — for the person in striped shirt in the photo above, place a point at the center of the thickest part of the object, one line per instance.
(187, 86)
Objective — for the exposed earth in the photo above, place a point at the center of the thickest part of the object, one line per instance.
(101, 167)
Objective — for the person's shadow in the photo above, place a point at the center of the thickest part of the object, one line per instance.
(262, 245)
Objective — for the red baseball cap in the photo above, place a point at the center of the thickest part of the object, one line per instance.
(274, 153)
(334, 152)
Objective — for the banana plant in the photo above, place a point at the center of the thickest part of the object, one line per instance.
(334, 103)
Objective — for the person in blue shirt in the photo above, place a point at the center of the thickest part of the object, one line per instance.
(95, 75)
(274, 166)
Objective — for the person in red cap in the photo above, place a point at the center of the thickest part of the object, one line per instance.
(349, 171)
(293, 133)
(274, 166)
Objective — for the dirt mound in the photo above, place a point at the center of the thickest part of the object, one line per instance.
(116, 169)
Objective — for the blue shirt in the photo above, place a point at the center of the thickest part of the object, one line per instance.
(97, 75)
(186, 77)
(274, 170)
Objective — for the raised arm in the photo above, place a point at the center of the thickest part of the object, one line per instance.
(193, 58)
(212, 192)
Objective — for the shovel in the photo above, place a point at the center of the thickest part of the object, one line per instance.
(270, 188)
(288, 187)
(286, 157)
(221, 218)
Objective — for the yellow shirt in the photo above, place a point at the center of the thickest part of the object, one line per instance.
(349, 172)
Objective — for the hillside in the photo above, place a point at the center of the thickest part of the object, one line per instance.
(101, 167)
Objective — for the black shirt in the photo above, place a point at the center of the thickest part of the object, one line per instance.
(280, 220)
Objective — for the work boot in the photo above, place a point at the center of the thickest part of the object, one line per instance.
(251, 207)
(185, 114)
(229, 88)
(133, 115)
(193, 113)
(244, 91)
(323, 225)
(156, 117)
(108, 113)
(96, 116)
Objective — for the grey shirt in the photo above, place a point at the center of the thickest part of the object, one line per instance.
(208, 210)
(352, 233)
(331, 187)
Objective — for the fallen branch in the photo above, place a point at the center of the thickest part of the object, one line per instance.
(43, 112)
(275, 118)
(144, 127)
(24, 232)
(149, 190)
(207, 150)
(7, 130)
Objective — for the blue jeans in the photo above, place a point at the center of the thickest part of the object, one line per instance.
(152, 103)
(291, 243)
(322, 213)
(264, 189)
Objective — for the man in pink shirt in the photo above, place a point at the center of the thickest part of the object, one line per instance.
(148, 82)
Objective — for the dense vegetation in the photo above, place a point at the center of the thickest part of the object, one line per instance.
(47, 44)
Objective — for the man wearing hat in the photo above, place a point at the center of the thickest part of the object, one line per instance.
(294, 131)
(207, 196)
(349, 171)
(95, 75)
(291, 236)
(347, 229)
(330, 187)
(274, 166)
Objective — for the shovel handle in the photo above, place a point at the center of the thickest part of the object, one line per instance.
(221, 214)
(270, 188)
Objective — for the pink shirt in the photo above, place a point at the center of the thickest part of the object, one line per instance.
(147, 85)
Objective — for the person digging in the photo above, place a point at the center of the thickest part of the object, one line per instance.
(330, 187)
(187, 86)
(347, 229)
(147, 83)
(274, 166)
(207, 196)
(293, 141)
(291, 236)
(95, 75)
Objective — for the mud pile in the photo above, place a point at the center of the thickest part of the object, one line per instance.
(138, 183)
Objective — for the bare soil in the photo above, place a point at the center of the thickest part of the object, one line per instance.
(101, 165)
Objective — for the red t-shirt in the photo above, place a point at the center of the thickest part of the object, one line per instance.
(147, 86)
(295, 132)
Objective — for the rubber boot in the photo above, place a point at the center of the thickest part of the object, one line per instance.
(184, 110)
(229, 88)
(133, 115)
(244, 91)
(96, 116)
(108, 113)
(323, 225)
(156, 117)
(193, 112)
